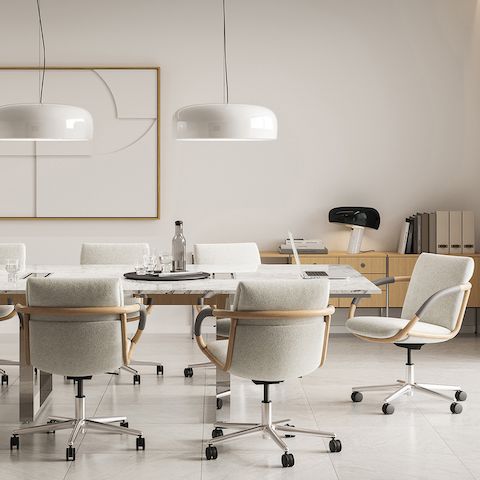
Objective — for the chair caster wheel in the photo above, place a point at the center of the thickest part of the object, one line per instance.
(4, 379)
(219, 403)
(388, 408)
(188, 372)
(140, 443)
(14, 442)
(211, 452)
(289, 435)
(70, 454)
(335, 445)
(456, 408)
(159, 369)
(217, 432)
(288, 460)
(136, 379)
(124, 424)
(51, 422)
(356, 397)
(460, 395)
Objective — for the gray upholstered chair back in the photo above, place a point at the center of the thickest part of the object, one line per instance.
(75, 345)
(13, 250)
(113, 253)
(226, 253)
(432, 273)
(276, 349)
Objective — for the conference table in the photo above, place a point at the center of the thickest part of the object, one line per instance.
(215, 290)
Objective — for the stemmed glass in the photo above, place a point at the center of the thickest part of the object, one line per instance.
(12, 267)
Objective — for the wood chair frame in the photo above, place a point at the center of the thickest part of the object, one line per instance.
(122, 311)
(407, 330)
(236, 315)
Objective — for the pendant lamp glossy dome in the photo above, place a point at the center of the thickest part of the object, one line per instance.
(225, 121)
(45, 122)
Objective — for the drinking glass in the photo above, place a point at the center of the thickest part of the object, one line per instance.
(149, 262)
(165, 260)
(140, 268)
(12, 266)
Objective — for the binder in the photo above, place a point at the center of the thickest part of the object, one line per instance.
(468, 232)
(424, 243)
(409, 247)
(432, 232)
(443, 232)
(456, 232)
(402, 241)
(417, 233)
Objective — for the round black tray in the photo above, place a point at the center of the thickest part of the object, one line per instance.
(167, 278)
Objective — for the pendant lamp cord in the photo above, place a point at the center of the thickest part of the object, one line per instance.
(43, 47)
(225, 66)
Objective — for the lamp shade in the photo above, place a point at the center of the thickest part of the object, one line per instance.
(225, 121)
(45, 121)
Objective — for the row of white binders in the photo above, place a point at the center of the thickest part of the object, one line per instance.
(446, 232)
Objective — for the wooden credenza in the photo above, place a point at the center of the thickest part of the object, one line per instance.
(375, 265)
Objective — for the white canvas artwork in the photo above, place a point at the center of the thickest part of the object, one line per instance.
(115, 175)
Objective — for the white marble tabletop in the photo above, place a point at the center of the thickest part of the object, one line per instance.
(345, 282)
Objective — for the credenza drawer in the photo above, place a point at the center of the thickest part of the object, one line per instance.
(366, 264)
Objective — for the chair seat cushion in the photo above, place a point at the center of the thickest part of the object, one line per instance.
(6, 310)
(219, 349)
(223, 327)
(385, 327)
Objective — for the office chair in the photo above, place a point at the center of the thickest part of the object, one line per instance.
(10, 250)
(121, 254)
(432, 312)
(243, 254)
(279, 330)
(77, 328)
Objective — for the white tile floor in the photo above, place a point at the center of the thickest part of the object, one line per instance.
(422, 440)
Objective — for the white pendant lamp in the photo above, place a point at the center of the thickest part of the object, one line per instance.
(44, 121)
(225, 121)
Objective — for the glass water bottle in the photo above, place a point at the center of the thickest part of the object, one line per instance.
(179, 249)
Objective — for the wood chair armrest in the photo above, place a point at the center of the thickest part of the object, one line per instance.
(8, 316)
(260, 314)
(142, 321)
(62, 311)
(379, 282)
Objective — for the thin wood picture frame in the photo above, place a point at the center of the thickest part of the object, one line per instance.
(158, 140)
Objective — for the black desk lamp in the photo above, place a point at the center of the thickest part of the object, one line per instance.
(356, 218)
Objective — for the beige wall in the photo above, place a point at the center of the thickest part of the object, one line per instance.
(378, 103)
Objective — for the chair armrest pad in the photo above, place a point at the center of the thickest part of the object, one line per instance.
(441, 293)
(143, 317)
(203, 314)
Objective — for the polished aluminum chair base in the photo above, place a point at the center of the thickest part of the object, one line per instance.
(268, 428)
(81, 423)
(408, 387)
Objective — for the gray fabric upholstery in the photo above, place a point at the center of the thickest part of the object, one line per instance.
(223, 327)
(278, 349)
(13, 250)
(113, 253)
(226, 254)
(432, 273)
(385, 327)
(6, 310)
(75, 345)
